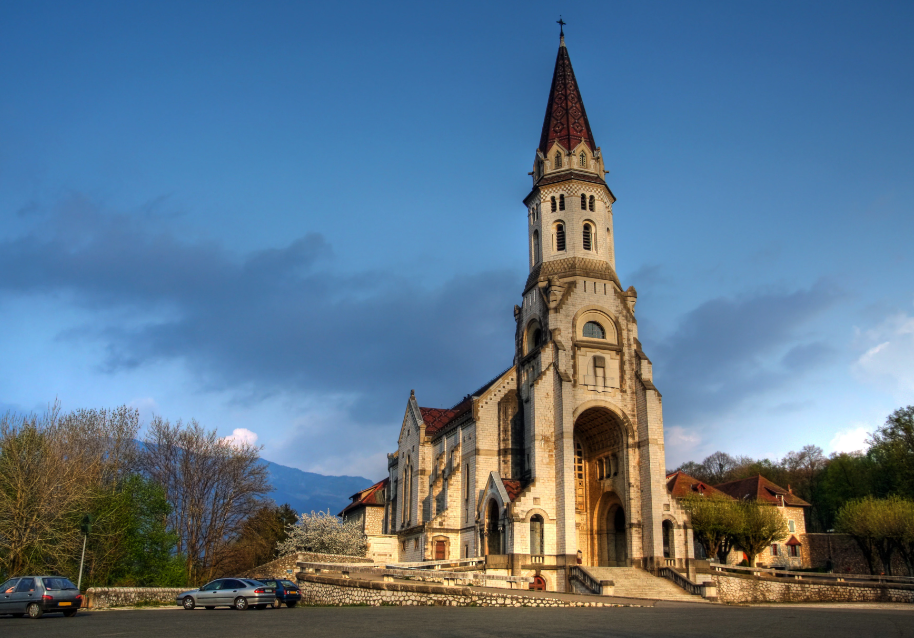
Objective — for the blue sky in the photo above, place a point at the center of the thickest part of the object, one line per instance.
(283, 216)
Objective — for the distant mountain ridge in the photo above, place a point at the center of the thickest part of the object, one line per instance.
(307, 491)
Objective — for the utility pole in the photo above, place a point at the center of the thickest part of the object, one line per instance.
(85, 527)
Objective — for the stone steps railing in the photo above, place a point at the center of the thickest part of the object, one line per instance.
(596, 586)
(705, 590)
(479, 579)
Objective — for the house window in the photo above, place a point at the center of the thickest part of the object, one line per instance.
(558, 159)
(560, 237)
(774, 550)
(591, 203)
(793, 551)
(791, 525)
(562, 202)
(416, 544)
(583, 201)
(553, 203)
(593, 330)
(588, 237)
(582, 159)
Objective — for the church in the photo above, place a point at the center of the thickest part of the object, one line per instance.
(559, 460)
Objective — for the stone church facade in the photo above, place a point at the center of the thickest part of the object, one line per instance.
(559, 460)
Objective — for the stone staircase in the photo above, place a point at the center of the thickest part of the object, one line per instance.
(633, 582)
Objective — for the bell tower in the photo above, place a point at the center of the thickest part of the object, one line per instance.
(592, 418)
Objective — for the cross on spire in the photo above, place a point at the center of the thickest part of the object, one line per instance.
(561, 24)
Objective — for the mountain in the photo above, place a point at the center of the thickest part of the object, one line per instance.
(307, 491)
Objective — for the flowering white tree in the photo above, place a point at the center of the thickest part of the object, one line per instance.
(323, 533)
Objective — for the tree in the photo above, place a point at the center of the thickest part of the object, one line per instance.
(865, 520)
(260, 536)
(761, 524)
(53, 470)
(323, 533)
(893, 450)
(715, 519)
(212, 485)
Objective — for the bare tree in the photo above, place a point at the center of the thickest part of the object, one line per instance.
(54, 469)
(212, 485)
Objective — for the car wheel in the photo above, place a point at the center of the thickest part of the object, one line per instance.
(34, 611)
(70, 613)
(241, 603)
(188, 603)
(291, 603)
(209, 607)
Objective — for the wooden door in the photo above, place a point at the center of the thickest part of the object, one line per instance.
(440, 550)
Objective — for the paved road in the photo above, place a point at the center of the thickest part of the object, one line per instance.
(666, 619)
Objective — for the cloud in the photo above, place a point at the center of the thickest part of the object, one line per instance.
(852, 439)
(888, 358)
(241, 437)
(276, 322)
(681, 445)
(730, 349)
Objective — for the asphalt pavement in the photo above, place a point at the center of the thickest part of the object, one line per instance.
(664, 619)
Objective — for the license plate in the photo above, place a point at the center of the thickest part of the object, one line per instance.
(64, 604)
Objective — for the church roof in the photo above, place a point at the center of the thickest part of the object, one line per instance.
(436, 419)
(566, 120)
(373, 495)
(513, 487)
(680, 485)
(761, 489)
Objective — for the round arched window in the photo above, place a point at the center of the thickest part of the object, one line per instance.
(593, 330)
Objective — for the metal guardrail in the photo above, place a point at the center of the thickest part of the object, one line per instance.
(681, 581)
(839, 578)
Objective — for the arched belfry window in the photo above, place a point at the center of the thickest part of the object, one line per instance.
(553, 203)
(583, 201)
(593, 330)
(536, 246)
(591, 204)
(561, 202)
(560, 237)
(582, 159)
(588, 237)
(558, 159)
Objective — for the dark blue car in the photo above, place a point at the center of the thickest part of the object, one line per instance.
(286, 591)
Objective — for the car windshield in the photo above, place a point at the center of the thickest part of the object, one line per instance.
(57, 583)
(289, 583)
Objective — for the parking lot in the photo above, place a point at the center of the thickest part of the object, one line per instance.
(665, 619)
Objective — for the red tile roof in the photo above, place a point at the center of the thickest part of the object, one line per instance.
(513, 487)
(680, 485)
(793, 541)
(436, 419)
(761, 489)
(370, 496)
(566, 121)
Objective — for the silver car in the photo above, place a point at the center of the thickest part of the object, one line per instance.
(239, 593)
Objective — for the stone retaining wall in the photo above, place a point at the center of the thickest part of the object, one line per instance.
(739, 588)
(286, 566)
(323, 590)
(102, 597)
(841, 554)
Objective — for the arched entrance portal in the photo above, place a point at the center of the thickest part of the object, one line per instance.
(601, 488)
(493, 533)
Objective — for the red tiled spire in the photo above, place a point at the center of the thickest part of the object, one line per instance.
(566, 121)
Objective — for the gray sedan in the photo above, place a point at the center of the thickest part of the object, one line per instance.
(239, 593)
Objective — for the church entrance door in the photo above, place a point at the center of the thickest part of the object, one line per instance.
(493, 533)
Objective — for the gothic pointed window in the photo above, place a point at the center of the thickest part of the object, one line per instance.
(593, 330)
(559, 237)
(582, 159)
(561, 202)
(588, 237)
(558, 159)
(591, 203)
(553, 203)
(583, 201)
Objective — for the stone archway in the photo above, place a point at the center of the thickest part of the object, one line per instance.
(493, 528)
(601, 487)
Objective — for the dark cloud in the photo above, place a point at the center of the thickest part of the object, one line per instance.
(729, 349)
(272, 320)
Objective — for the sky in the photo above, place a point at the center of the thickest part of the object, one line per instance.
(278, 218)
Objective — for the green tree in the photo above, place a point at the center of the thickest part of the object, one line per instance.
(867, 521)
(260, 536)
(761, 524)
(892, 451)
(715, 520)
